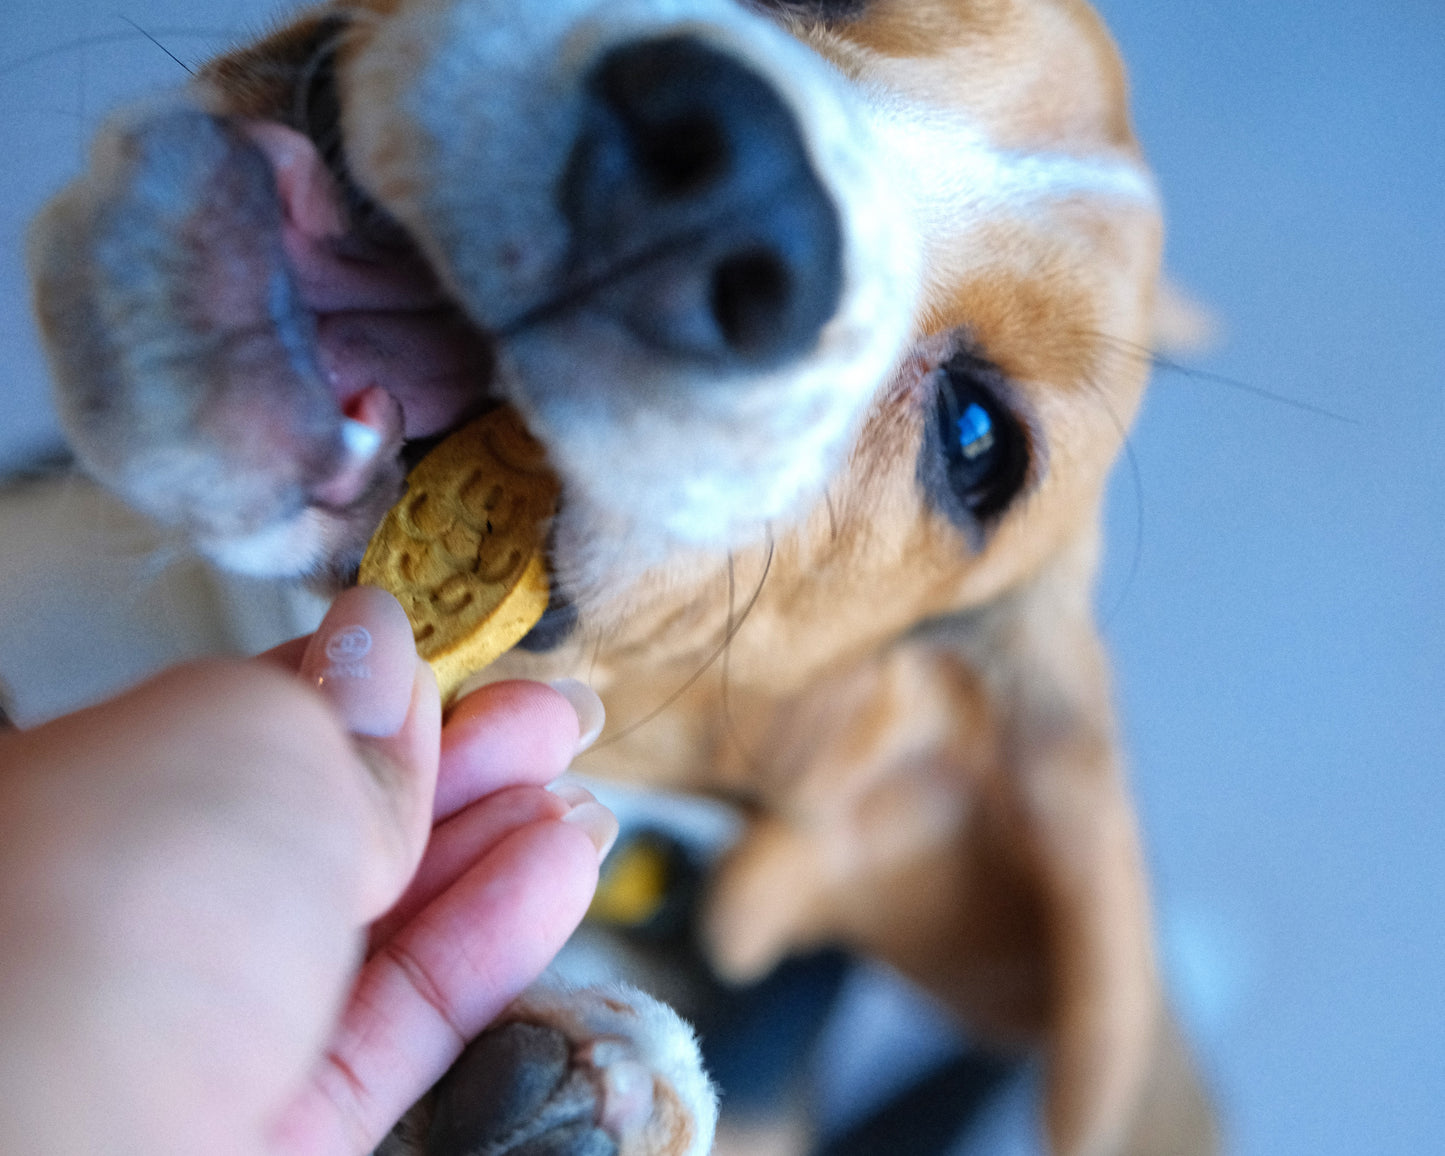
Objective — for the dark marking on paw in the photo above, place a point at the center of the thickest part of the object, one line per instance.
(574, 1140)
(514, 1092)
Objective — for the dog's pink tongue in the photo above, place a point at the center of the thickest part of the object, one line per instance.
(433, 364)
(381, 319)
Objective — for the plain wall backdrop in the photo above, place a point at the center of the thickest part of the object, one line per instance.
(1276, 574)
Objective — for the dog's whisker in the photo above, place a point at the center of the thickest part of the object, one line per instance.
(730, 632)
(1136, 556)
(754, 764)
(154, 40)
(832, 514)
(1168, 365)
(1136, 474)
(600, 640)
(1258, 391)
(103, 39)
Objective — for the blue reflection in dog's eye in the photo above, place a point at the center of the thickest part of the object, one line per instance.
(975, 432)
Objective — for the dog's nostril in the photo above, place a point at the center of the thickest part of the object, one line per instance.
(698, 222)
(682, 158)
(750, 295)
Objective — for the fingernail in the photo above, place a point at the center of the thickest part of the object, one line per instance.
(571, 792)
(590, 815)
(591, 715)
(363, 659)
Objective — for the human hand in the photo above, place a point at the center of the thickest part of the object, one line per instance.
(240, 916)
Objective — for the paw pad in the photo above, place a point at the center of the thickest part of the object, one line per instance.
(519, 1090)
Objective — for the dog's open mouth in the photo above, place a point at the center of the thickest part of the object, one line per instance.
(403, 363)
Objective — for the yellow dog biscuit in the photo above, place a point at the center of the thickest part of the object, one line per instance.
(463, 549)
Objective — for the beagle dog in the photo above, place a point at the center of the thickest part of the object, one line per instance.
(832, 316)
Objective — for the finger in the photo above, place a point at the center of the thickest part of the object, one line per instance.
(363, 660)
(439, 982)
(462, 840)
(470, 834)
(509, 733)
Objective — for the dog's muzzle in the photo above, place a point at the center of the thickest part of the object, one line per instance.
(672, 218)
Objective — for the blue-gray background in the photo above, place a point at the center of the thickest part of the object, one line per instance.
(1276, 578)
(1281, 654)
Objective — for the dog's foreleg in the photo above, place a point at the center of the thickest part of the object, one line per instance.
(570, 1072)
(961, 812)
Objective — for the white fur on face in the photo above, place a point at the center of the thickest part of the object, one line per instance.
(284, 549)
(958, 181)
(957, 176)
(468, 149)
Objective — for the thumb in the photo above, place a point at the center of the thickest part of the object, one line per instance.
(363, 660)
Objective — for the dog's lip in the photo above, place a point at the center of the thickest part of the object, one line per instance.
(382, 321)
(435, 365)
(403, 363)
(371, 432)
(334, 269)
(557, 623)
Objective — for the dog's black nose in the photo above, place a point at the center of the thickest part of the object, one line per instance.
(698, 220)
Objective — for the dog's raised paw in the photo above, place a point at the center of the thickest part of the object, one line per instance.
(517, 1090)
(577, 1073)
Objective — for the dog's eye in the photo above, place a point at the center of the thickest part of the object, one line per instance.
(976, 453)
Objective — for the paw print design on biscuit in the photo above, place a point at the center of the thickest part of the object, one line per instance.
(463, 549)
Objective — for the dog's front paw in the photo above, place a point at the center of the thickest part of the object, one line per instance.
(520, 1089)
(577, 1073)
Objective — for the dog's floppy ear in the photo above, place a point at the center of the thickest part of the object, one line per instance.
(1181, 325)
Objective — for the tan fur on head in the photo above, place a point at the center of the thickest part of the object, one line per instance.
(913, 707)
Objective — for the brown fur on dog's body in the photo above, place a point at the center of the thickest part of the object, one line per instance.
(913, 705)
